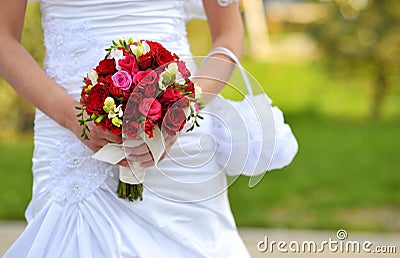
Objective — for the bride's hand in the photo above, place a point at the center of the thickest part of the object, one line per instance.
(141, 154)
(98, 137)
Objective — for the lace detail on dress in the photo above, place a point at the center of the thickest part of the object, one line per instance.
(69, 55)
(194, 9)
(75, 174)
(175, 36)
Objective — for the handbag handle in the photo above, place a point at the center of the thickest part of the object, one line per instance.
(230, 54)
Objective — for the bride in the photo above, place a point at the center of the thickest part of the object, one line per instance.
(74, 211)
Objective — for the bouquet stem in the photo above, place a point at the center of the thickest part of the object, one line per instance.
(132, 192)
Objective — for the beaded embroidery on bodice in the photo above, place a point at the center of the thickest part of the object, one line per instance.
(76, 175)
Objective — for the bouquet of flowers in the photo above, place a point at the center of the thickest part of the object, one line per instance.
(140, 90)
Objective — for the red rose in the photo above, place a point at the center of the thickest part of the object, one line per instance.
(116, 130)
(143, 78)
(190, 88)
(129, 64)
(183, 102)
(174, 120)
(136, 97)
(126, 96)
(96, 98)
(161, 54)
(170, 96)
(148, 128)
(150, 90)
(105, 124)
(114, 91)
(146, 61)
(131, 129)
(131, 112)
(150, 108)
(105, 80)
(106, 67)
(85, 94)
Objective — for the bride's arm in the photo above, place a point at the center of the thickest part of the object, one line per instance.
(226, 28)
(19, 68)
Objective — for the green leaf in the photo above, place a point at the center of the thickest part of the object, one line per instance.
(99, 119)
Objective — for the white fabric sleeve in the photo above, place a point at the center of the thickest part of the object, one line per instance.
(194, 9)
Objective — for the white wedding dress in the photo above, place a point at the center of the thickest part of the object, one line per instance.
(75, 211)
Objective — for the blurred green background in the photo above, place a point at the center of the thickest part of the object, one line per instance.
(333, 68)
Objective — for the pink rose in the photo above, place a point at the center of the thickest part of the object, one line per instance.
(122, 80)
(183, 69)
(150, 108)
(129, 64)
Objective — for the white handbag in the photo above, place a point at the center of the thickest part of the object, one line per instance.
(251, 134)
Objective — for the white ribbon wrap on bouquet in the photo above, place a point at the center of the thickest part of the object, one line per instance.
(114, 153)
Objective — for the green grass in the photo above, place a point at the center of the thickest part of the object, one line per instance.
(344, 176)
(303, 87)
(15, 177)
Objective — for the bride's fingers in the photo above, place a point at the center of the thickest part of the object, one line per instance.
(94, 143)
(97, 143)
(145, 160)
(147, 164)
(124, 163)
(110, 137)
(138, 150)
(140, 158)
(96, 132)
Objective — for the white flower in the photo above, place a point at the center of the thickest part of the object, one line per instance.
(111, 109)
(115, 112)
(169, 75)
(93, 76)
(172, 68)
(146, 47)
(198, 91)
(109, 104)
(161, 85)
(140, 49)
(117, 54)
(136, 50)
